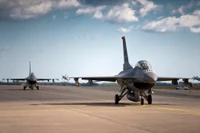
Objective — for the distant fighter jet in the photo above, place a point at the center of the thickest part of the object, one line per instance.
(65, 77)
(31, 80)
(135, 81)
(196, 78)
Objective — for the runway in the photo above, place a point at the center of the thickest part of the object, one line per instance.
(66, 109)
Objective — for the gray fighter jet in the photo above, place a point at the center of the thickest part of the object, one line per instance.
(31, 80)
(135, 83)
(196, 78)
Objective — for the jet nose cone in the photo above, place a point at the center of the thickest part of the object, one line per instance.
(150, 77)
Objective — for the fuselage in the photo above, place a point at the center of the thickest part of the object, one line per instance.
(138, 78)
(31, 79)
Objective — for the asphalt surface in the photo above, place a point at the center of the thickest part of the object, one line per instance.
(66, 109)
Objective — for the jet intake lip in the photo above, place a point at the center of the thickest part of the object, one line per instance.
(150, 77)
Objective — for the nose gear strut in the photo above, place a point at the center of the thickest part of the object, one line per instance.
(148, 98)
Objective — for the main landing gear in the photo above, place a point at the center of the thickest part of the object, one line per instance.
(142, 101)
(37, 87)
(31, 86)
(117, 99)
(24, 87)
(148, 98)
(124, 91)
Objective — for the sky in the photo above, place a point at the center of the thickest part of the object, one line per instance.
(83, 37)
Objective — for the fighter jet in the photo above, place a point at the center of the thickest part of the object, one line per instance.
(196, 78)
(31, 80)
(136, 83)
(65, 77)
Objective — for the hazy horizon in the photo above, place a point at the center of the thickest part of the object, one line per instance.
(83, 37)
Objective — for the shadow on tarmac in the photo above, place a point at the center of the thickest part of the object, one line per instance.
(105, 104)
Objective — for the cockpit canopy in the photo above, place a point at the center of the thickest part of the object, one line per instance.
(143, 65)
(32, 74)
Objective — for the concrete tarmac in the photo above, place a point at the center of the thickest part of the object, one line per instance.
(66, 109)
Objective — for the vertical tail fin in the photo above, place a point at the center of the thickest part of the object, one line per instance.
(126, 62)
(29, 68)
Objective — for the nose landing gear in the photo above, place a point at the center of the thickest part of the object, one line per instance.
(148, 98)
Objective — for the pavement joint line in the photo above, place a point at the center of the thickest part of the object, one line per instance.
(103, 118)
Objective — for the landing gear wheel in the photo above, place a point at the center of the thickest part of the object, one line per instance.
(24, 88)
(117, 99)
(149, 99)
(142, 101)
(37, 87)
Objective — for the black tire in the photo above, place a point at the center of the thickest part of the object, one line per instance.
(149, 99)
(116, 99)
(142, 101)
(24, 88)
(37, 87)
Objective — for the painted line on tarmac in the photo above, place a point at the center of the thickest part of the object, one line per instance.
(180, 111)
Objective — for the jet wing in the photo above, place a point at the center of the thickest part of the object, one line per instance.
(175, 80)
(106, 78)
(114, 78)
(45, 79)
(170, 78)
(17, 79)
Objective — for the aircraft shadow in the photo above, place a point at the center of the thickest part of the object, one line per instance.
(105, 104)
(13, 89)
(18, 89)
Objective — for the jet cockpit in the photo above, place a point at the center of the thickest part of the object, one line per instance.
(143, 65)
